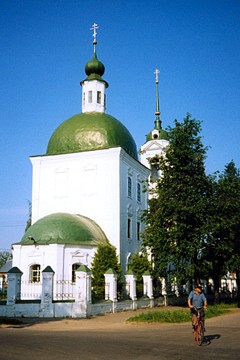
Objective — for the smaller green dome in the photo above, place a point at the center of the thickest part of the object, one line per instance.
(94, 66)
(160, 135)
(63, 228)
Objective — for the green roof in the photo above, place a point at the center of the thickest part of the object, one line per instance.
(63, 228)
(163, 135)
(91, 131)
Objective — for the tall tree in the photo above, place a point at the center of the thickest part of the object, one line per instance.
(177, 211)
(223, 245)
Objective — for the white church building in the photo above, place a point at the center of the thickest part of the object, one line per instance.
(87, 189)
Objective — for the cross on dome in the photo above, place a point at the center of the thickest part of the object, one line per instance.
(157, 72)
(94, 28)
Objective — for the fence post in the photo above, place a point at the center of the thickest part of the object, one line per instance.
(83, 295)
(110, 285)
(14, 285)
(47, 292)
(164, 291)
(131, 285)
(147, 285)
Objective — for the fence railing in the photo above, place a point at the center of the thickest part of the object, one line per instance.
(64, 290)
(30, 290)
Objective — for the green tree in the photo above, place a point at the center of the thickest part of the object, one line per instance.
(223, 243)
(29, 221)
(4, 256)
(104, 259)
(177, 212)
(139, 264)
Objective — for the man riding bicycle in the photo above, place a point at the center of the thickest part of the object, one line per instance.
(197, 300)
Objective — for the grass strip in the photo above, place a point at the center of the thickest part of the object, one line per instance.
(176, 316)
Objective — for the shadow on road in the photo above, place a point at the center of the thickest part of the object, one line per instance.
(209, 338)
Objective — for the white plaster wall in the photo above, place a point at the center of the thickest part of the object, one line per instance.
(93, 184)
(93, 86)
(59, 257)
(130, 207)
(84, 183)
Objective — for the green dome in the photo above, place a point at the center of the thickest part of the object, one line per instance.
(162, 135)
(63, 228)
(94, 66)
(91, 131)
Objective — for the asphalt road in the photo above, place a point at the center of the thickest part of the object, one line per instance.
(109, 337)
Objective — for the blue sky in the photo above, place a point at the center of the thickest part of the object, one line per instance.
(46, 44)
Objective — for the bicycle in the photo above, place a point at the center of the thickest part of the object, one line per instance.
(199, 327)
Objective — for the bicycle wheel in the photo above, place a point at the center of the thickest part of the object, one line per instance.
(199, 333)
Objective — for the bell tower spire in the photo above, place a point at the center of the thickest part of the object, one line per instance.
(156, 140)
(158, 123)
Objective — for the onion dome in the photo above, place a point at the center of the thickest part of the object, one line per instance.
(94, 66)
(63, 228)
(91, 131)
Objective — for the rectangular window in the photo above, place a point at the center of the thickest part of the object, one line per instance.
(129, 186)
(90, 96)
(99, 97)
(138, 192)
(35, 273)
(138, 230)
(84, 98)
(129, 229)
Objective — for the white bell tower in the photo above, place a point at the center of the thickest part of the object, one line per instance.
(94, 87)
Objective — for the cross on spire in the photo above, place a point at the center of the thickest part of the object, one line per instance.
(94, 28)
(156, 72)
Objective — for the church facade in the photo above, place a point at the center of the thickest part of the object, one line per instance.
(87, 189)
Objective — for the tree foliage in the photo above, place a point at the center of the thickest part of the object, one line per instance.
(29, 220)
(104, 259)
(223, 242)
(4, 256)
(177, 212)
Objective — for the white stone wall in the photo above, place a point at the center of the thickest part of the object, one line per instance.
(59, 257)
(93, 184)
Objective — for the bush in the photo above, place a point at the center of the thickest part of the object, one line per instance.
(104, 259)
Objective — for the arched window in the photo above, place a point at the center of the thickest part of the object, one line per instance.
(35, 273)
(74, 268)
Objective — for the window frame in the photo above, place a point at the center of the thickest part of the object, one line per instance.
(35, 273)
(129, 186)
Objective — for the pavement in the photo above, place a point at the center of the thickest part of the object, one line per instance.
(111, 337)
